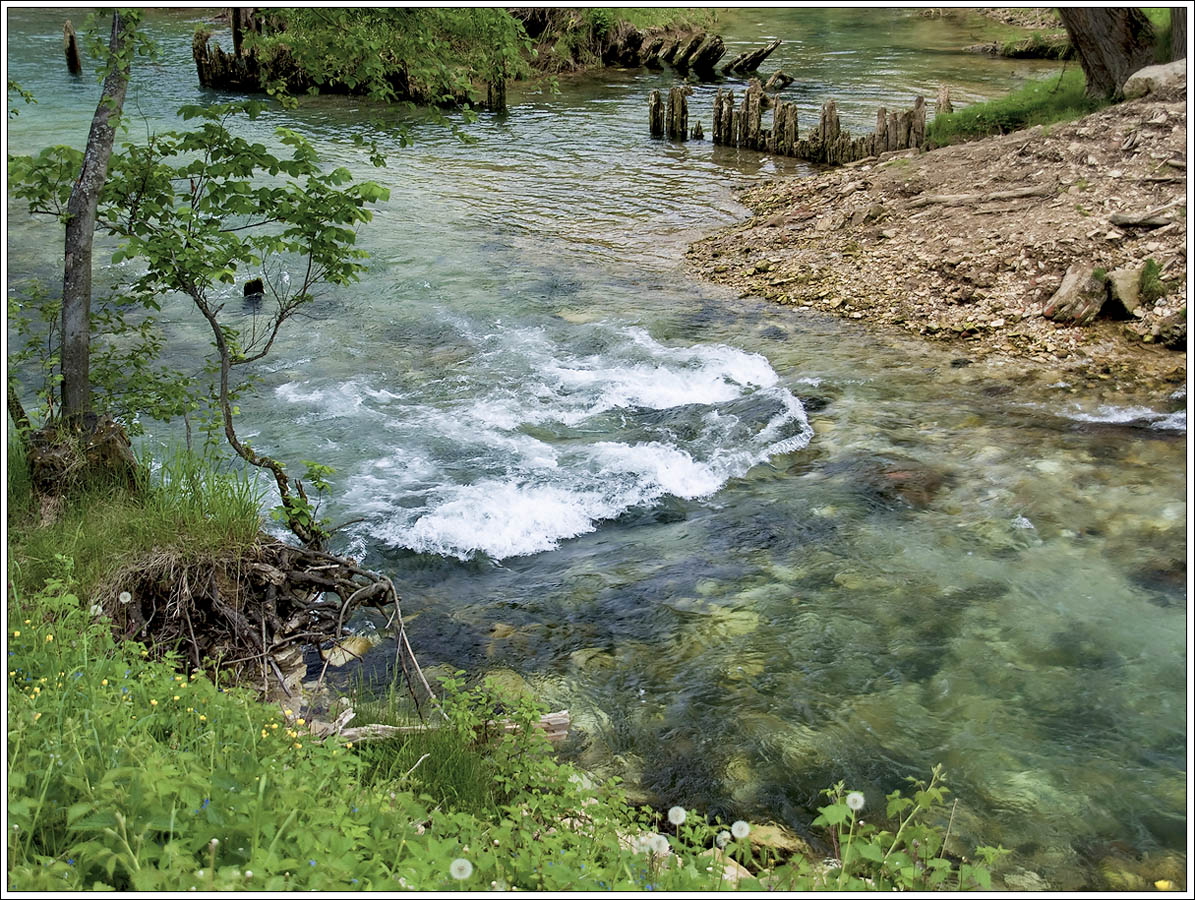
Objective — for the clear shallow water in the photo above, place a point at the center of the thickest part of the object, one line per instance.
(752, 550)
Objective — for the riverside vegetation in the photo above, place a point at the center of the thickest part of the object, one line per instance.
(128, 770)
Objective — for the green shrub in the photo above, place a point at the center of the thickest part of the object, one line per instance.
(1039, 102)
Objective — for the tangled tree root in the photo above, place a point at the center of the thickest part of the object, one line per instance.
(249, 615)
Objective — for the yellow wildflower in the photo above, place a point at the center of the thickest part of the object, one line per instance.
(203, 718)
(298, 746)
(49, 637)
(153, 702)
(104, 683)
(16, 634)
(300, 721)
(176, 696)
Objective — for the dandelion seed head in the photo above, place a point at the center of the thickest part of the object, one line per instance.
(676, 815)
(125, 597)
(854, 801)
(722, 839)
(740, 829)
(658, 844)
(460, 868)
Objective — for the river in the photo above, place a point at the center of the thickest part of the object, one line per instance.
(753, 550)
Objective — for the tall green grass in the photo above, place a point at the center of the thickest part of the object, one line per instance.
(1056, 98)
(183, 504)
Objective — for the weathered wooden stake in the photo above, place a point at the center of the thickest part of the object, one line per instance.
(943, 106)
(754, 107)
(655, 114)
(496, 94)
(677, 124)
(728, 123)
(70, 44)
(917, 130)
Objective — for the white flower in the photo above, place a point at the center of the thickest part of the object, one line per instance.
(658, 844)
(722, 839)
(676, 815)
(740, 829)
(854, 801)
(125, 597)
(460, 869)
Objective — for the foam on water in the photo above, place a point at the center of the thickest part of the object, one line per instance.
(1132, 415)
(544, 435)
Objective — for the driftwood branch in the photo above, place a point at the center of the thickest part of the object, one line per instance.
(1041, 190)
(554, 725)
(1152, 218)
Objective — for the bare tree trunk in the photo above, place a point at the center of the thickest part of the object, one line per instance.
(234, 14)
(1112, 44)
(1178, 32)
(80, 229)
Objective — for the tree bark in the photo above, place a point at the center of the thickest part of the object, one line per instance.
(1112, 44)
(80, 228)
(1178, 32)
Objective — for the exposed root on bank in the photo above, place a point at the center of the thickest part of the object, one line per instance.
(247, 616)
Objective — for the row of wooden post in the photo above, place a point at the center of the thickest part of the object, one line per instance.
(827, 142)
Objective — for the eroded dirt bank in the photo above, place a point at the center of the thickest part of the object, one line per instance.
(968, 244)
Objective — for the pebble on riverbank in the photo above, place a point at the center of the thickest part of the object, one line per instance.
(969, 243)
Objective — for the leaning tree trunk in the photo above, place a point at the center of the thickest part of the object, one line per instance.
(1112, 44)
(80, 228)
(1178, 32)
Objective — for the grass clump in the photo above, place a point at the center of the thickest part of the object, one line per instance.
(1152, 286)
(1038, 102)
(182, 503)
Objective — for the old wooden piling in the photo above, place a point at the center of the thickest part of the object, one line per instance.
(680, 61)
(943, 106)
(655, 114)
(778, 81)
(750, 60)
(495, 99)
(702, 62)
(676, 124)
(741, 125)
(70, 45)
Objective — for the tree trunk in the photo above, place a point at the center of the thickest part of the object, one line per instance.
(1112, 44)
(234, 14)
(1178, 32)
(80, 228)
